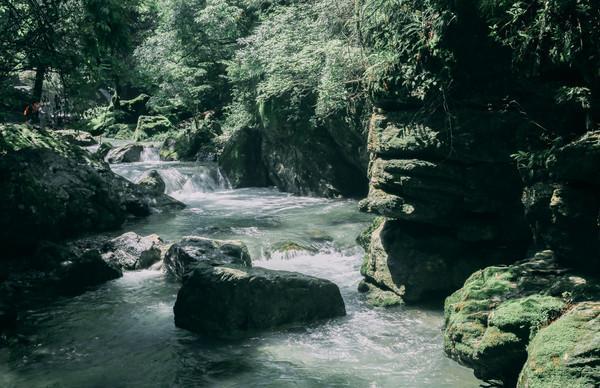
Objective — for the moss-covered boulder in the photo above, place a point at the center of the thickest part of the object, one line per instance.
(52, 190)
(149, 126)
(567, 352)
(490, 321)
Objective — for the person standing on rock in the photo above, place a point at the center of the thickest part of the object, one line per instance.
(31, 112)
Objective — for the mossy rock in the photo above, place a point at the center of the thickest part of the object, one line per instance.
(364, 238)
(567, 352)
(491, 319)
(120, 131)
(150, 126)
(289, 249)
(377, 297)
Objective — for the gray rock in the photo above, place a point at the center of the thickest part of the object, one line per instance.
(233, 301)
(152, 181)
(131, 251)
(185, 255)
(128, 153)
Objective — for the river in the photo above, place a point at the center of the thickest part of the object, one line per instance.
(122, 334)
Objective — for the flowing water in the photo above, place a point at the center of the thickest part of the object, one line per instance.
(122, 333)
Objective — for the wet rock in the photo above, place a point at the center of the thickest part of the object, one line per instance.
(241, 159)
(80, 138)
(87, 270)
(567, 352)
(491, 319)
(378, 297)
(131, 251)
(149, 126)
(289, 249)
(152, 181)
(103, 150)
(128, 153)
(234, 301)
(185, 255)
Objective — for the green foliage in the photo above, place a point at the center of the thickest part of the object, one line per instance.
(543, 32)
(407, 56)
(183, 59)
(303, 55)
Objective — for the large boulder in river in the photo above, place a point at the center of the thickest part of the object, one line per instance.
(567, 352)
(232, 301)
(52, 190)
(131, 251)
(491, 320)
(128, 153)
(152, 181)
(185, 255)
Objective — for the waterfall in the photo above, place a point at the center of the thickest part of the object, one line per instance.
(150, 154)
(200, 179)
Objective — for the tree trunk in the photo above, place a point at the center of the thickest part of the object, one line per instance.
(38, 87)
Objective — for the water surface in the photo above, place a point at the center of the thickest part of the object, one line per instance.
(122, 333)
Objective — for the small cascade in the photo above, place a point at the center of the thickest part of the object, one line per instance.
(150, 154)
(200, 179)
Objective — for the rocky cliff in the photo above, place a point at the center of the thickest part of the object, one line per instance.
(450, 194)
(298, 156)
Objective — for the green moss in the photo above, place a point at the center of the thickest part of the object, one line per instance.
(151, 126)
(364, 238)
(526, 315)
(567, 352)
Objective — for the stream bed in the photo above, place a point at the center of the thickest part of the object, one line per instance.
(122, 333)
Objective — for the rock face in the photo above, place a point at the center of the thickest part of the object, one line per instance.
(131, 251)
(450, 196)
(562, 203)
(327, 160)
(128, 153)
(148, 126)
(232, 301)
(51, 190)
(241, 160)
(152, 181)
(492, 319)
(183, 256)
(566, 353)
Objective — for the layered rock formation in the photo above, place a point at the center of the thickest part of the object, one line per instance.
(450, 195)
